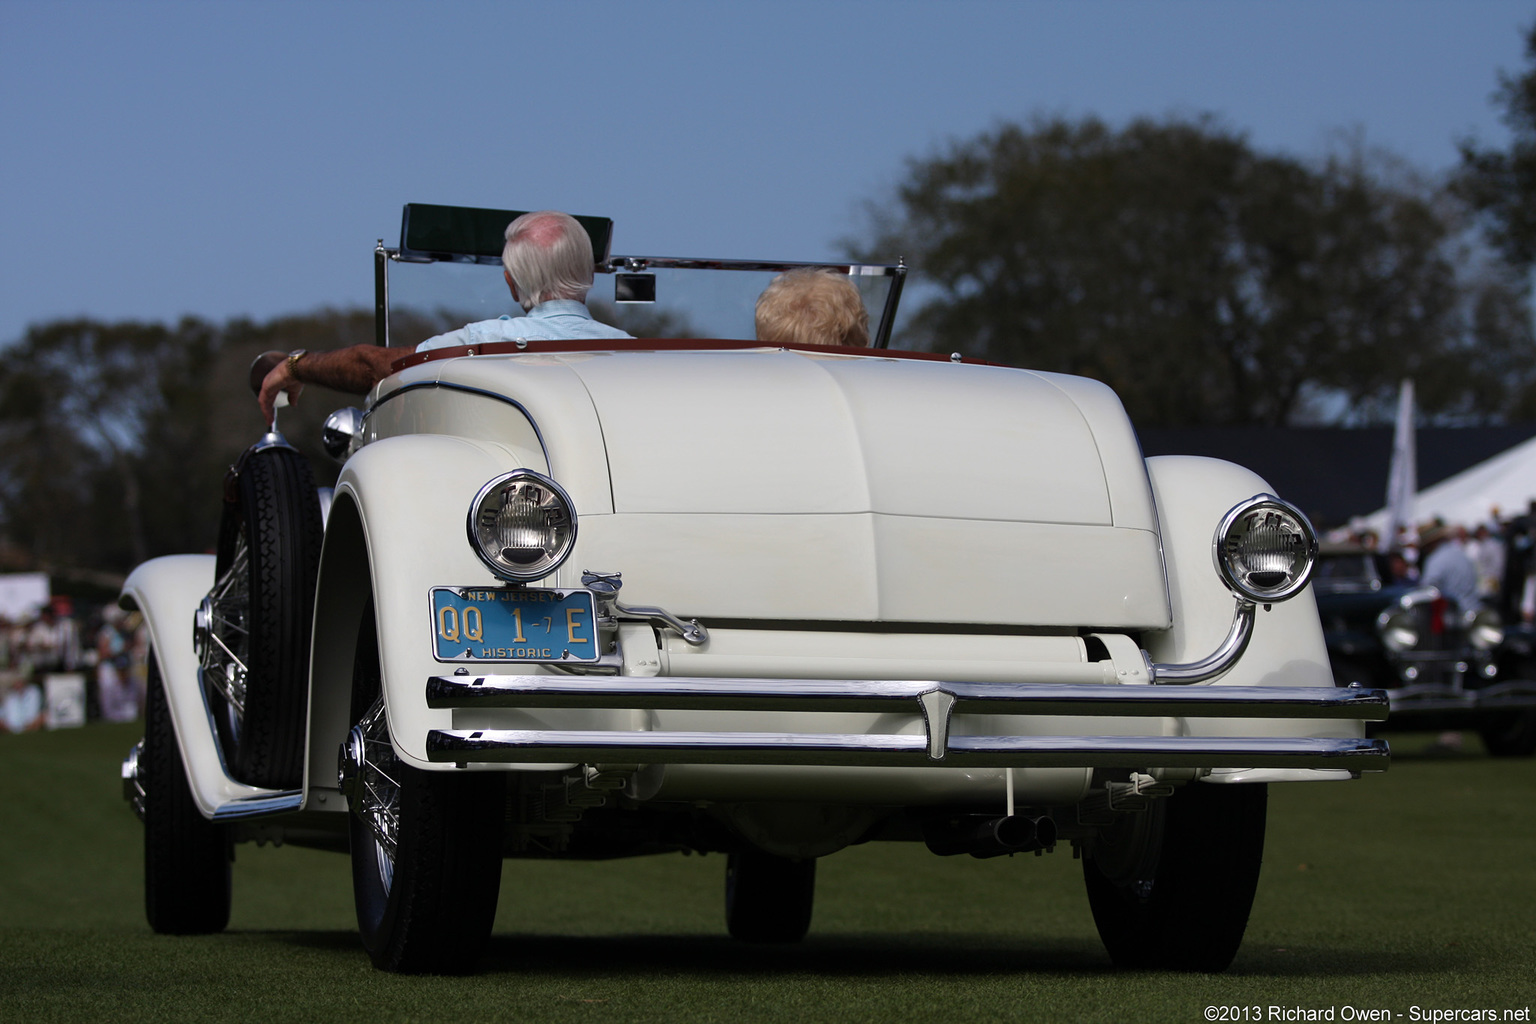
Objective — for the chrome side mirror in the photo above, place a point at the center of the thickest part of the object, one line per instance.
(342, 427)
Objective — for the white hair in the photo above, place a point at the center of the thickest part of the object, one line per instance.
(549, 256)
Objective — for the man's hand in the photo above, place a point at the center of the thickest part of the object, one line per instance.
(354, 370)
(279, 380)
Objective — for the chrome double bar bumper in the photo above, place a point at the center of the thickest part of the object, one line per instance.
(935, 701)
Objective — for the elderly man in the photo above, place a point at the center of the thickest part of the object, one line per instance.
(548, 265)
(812, 307)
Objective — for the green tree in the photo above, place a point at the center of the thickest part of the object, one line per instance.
(115, 437)
(1207, 282)
(1501, 184)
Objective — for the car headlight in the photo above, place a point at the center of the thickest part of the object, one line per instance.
(1485, 630)
(1265, 549)
(1399, 628)
(522, 525)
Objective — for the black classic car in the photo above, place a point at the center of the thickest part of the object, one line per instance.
(1443, 667)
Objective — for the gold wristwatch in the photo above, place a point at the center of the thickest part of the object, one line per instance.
(294, 357)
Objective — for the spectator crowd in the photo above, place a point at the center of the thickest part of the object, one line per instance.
(105, 649)
(1488, 565)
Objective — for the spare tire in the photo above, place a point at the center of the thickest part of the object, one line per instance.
(254, 626)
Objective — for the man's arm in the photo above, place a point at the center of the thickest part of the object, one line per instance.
(354, 370)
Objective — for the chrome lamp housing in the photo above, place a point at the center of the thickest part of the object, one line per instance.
(1265, 550)
(522, 525)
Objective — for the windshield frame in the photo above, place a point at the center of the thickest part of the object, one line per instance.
(384, 255)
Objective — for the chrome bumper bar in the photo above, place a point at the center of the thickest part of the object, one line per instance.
(935, 701)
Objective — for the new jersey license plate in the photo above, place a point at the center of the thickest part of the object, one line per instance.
(513, 624)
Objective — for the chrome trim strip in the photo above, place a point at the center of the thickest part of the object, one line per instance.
(637, 263)
(277, 802)
(886, 750)
(1219, 660)
(882, 696)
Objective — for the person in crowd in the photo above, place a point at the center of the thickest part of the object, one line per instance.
(1486, 549)
(118, 697)
(1517, 568)
(548, 265)
(22, 707)
(1446, 567)
(812, 307)
(45, 641)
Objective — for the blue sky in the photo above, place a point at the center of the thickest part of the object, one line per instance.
(236, 158)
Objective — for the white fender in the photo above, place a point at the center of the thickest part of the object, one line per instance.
(167, 592)
(1287, 648)
(409, 497)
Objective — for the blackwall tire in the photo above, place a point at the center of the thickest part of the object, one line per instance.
(426, 901)
(256, 666)
(1177, 895)
(186, 857)
(768, 898)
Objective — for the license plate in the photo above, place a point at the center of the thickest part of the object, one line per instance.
(513, 624)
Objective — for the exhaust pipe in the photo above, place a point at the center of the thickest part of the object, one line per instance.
(985, 836)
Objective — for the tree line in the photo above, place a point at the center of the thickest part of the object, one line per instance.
(1206, 280)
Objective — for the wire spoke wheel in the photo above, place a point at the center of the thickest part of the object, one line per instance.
(426, 845)
(224, 643)
(378, 791)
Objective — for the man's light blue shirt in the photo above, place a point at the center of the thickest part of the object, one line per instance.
(555, 320)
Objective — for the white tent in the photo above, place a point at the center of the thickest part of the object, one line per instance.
(1506, 483)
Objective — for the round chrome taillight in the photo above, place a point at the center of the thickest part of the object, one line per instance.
(1265, 549)
(522, 525)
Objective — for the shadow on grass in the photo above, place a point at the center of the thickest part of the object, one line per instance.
(868, 956)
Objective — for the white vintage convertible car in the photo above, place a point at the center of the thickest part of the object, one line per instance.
(606, 599)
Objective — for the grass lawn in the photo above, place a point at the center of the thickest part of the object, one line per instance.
(1412, 888)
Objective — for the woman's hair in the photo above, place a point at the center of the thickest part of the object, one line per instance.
(812, 307)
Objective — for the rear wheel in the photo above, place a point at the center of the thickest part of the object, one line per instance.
(426, 846)
(253, 628)
(768, 898)
(1171, 887)
(186, 857)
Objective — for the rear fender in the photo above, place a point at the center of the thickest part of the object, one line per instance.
(397, 529)
(1287, 648)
